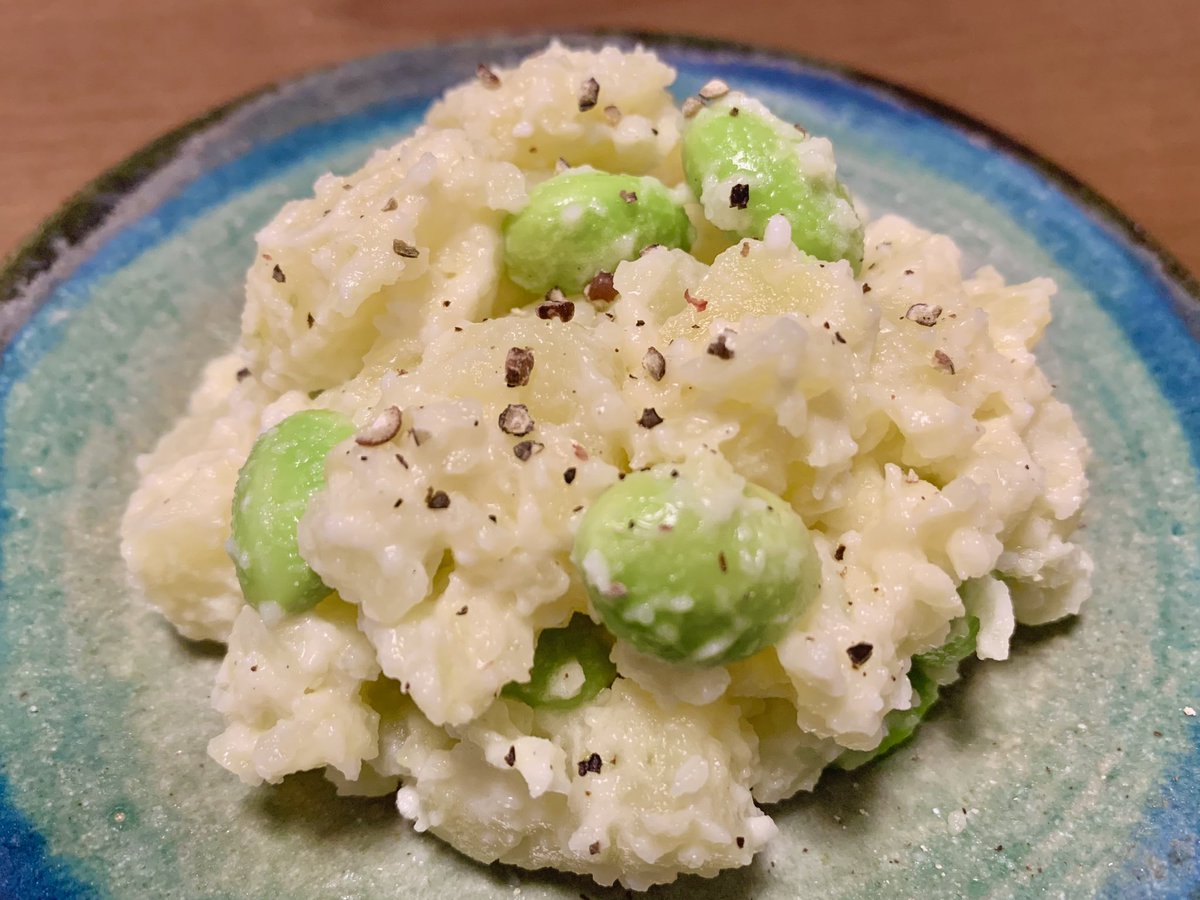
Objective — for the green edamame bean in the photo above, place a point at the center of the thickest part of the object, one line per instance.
(583, 222)
(746, 165)
(570, 667)
(285, 468)
(902, 724)
(959, 644)
(694, 566)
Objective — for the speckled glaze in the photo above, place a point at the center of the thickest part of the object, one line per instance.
(1072, 770)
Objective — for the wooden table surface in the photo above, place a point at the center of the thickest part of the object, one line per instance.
(1108, 89)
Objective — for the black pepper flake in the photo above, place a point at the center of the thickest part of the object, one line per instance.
(311, 321)
(462, 611)
(838, 337)
(943, 362)
(923, 314)
(629, 196)
(400, 459)
(277, 274)
(866, 289)
(569, 475)
(492, 517)
(640, 322)
(555, 307)
(405, 249)
(390, 205)
(487, 77)
(720, 347)
(510, 758)
(515, 420)
(592, 764)
(721, 562)
(436, 499)
(654, 363)
(840, 553)
(859, 653)
(741, 842)
(650, 418)
(382, 429)
(739, 196)
(243, 374)
(399, 502)
(526, 449)
(517, 366)
(600, 288)
(734, 111)
(593, 849)
(589, 93)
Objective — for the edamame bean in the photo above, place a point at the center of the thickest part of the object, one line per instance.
(959, 644)
(570, 667)
(746, 165)
(284, 469)
(925, 677)
(901, 724)
(582, 222)
(692, 565)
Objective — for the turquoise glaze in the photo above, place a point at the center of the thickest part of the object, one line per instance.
(1074, 760)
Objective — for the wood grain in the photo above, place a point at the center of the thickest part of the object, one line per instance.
(1106, 88)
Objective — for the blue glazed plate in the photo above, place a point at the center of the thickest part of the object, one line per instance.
(1074, 766)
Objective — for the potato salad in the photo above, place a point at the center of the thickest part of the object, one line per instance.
(590, 472)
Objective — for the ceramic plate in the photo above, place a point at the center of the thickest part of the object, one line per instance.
(1071, 770)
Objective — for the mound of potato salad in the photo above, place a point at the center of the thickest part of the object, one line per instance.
(589, 472)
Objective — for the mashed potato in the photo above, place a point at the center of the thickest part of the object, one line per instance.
(900, 412)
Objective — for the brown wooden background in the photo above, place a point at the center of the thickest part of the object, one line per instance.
(1109, 89)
